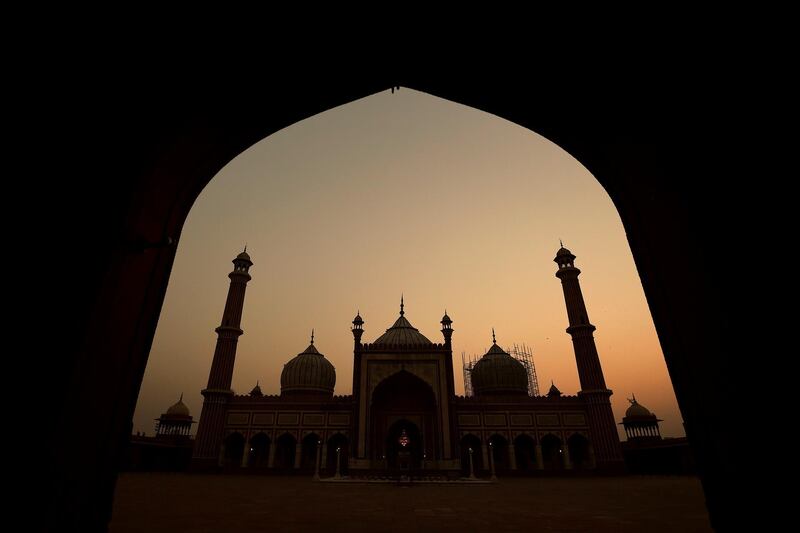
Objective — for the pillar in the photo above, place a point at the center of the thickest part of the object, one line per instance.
(271, 460)
(512, 456)
(537, 452)
(565, 456)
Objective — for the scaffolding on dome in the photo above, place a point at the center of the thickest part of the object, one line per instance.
(521, 352)
(524, 354)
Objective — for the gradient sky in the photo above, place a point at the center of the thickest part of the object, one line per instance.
(403, 193)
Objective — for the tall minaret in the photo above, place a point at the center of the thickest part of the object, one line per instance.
(447, 332)
(604, 438)
(358, 331)
(218, 391)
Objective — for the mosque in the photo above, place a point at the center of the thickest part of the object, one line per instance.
(404, 413)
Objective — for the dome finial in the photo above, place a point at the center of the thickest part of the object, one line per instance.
(493, 339)
(245, 247)
(553, 392)
(401, 305)
(312, 335)
(561, 242)
(181, 398)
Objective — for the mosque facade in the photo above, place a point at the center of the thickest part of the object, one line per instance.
(404, 412)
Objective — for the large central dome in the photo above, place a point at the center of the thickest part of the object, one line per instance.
(402, 333)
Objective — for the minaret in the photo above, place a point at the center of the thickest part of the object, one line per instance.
(358, 331)
(594, 393)
(218, 391)
(447, 329)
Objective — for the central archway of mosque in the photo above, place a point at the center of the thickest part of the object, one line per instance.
(404, 446)
(404, 426)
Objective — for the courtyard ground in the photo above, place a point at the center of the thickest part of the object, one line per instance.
(173, 502)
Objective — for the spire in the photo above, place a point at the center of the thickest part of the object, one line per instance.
(447, 328)
(256, 390)
(561, 242)
(401, 306)
(553, 392)
(446, 320)
(181, 398)
(312, 336)
(493, 339)
(242, 261)
(358, 327)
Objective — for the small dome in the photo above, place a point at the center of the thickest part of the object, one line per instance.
(553, 392)
(446, 319)
(358, 320)
(178, 409)
(637, 410)
(563, 251)
(256, 391)
(309, 372)
(499, 373)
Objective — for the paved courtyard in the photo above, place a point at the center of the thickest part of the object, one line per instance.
(156, 502)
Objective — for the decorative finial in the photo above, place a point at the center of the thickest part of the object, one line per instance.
(401, 305)
(245, 247)
(561, 243)
(632, 399)
(312, 335)
(493, 340)
(256, 383)
(181, 398)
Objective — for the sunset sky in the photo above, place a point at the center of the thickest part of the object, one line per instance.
(403, 193)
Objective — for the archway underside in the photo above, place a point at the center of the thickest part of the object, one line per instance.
(162, 157)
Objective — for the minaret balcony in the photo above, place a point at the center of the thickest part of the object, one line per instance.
(577, 328)
(229, 329)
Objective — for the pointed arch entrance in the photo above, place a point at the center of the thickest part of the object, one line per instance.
(259, 451)
(233, 449)
(338, 442)
(404, 445)
(525, 453)
(403, 402)
(471, 445)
